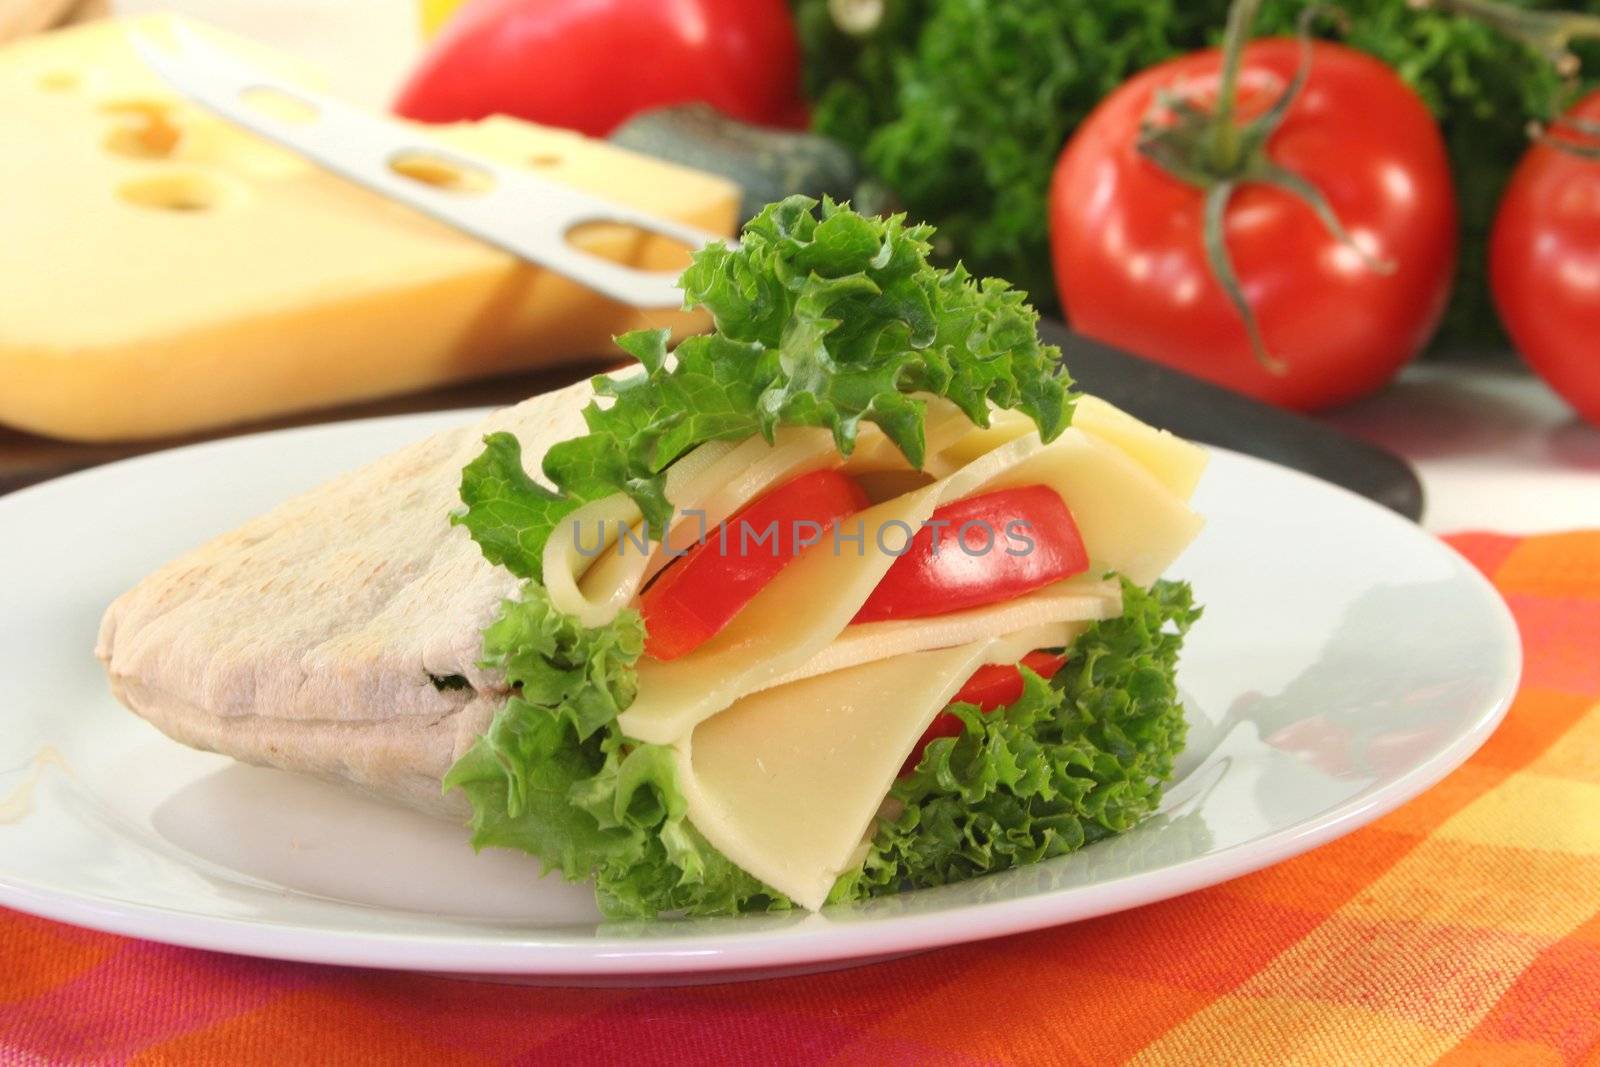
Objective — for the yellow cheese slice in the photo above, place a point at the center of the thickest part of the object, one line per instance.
(705, 487)
(787, 781)
(1174, 462)
(1071, 602)
(591, 571)
(1131, 523)
(803, 608)
(166, 272)
(809, 602)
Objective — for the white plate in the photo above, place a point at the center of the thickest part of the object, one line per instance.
(1346, 662)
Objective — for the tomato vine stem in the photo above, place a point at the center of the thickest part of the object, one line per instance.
(1574, 136)
(1215, 152)
(1224, 130)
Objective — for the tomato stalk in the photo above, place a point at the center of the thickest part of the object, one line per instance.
(1578, 137)
(1212, 150)
(1549, 33)
(1224, 131)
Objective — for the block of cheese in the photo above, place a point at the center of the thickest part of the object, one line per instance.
(166, 272)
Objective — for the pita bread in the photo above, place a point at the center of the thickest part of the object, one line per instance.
(309, 638)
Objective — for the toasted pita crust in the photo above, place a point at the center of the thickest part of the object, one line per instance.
(305, 639)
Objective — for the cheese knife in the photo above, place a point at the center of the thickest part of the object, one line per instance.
(507, 207)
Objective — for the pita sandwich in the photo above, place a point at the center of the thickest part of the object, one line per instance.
(476, 626)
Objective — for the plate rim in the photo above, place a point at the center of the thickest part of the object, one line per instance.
(811, 941)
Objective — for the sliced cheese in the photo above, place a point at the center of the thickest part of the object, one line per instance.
(720, 479)
(1175, 463)
(1073, 601)
(166, 271)
(748, 471)
(1131, 523)
(787, 781)
(1004, 426)
(803, 608)
(591, 571)
(791, 724)
(809, 602)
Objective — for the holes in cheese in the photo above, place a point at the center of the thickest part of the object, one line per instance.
(144, 130)
(179, 192)
(60, 81)
(786, 782)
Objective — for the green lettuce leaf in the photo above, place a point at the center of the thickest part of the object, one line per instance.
(823, 317)
(1075, 759)
(553, 775)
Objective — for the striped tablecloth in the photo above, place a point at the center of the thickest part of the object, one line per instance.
(1463, 928)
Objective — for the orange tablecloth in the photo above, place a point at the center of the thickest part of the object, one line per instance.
(1464, 927)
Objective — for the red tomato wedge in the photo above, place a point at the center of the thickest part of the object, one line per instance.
(998, 684)
(992, 547)
(697, 596)
(993, 686)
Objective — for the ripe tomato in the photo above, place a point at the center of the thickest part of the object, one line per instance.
(1127, 236)
(590, 66)
(694, 598)
(981, 555)
(993, 686)
(1544, 263)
